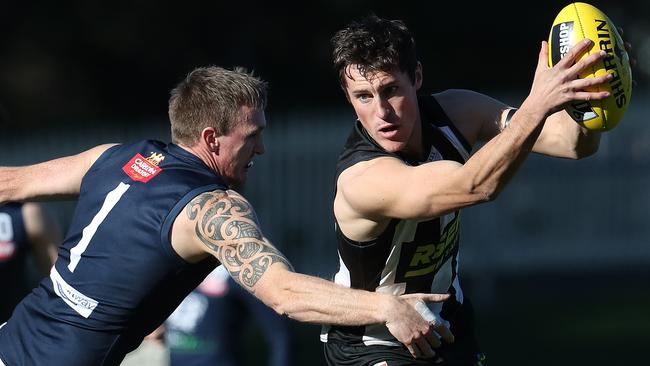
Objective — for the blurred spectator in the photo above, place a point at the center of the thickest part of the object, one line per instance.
(206, 327)
(25, 228)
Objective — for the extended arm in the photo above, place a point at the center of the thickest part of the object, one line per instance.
(58, 178)
(560, 137)
(223, 224)
(436, 188)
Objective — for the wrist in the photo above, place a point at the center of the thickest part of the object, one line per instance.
(532, 112)
(387, 305)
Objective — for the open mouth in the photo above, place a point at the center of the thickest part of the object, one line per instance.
(389, 130)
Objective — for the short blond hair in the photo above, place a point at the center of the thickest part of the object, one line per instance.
(212, 97)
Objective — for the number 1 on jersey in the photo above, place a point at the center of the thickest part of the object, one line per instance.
(89, 231)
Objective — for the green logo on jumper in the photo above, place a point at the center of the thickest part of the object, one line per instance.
(429, 258)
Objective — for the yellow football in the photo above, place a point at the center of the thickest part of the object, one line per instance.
(574, 23)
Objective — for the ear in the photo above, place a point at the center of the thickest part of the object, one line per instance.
(418, 76)
(209, 138)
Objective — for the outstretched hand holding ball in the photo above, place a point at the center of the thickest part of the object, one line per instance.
(574, 23)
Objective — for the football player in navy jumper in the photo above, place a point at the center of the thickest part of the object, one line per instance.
(406, 171)
(153, 219)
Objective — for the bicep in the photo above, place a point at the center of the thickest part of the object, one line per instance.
(390, 188)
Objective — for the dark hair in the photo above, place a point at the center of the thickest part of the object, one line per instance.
(374, 44)
(212, 97)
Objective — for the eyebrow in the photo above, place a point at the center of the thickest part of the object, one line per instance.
(358, 92)
(256, 130)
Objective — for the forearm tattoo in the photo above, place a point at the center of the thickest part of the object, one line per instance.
(227, 225)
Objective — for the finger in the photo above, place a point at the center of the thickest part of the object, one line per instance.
(542, 61)
(581, 95)
(576, 52)
(412, 350)
(435, 297)
(583, 84)
(425, 349)
(433, 339)
(444, 332)
(628, 46)
(585, 63)
(633, 62)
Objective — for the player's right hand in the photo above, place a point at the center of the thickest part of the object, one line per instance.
(420, 331)
(554, 87)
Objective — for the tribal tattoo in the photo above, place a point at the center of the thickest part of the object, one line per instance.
(228, 226)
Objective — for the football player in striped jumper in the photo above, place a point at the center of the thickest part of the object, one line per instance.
(407, 169)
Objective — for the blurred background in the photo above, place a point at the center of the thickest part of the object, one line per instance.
(558, 266)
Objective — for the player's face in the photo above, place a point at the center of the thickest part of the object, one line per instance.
(386, 104)
(238, 148)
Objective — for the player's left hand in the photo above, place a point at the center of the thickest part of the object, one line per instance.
(628, 49)
(407, 324)
(440, 327)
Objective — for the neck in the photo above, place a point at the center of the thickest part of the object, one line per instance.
(415, 148)
(203, 153)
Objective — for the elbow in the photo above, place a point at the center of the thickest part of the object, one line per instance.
(587, 144)
(585, 151)
(276, 300)
(279, 298)
(482, 193)
(281, 307)
(487, 195)
(487, 190)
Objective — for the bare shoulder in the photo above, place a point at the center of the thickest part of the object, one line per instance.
(456, 103)
(477, 116)
(369, 169)
(352, 184)
(224, 224)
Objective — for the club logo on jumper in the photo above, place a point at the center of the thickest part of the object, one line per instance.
(143, 169)
(429, 258)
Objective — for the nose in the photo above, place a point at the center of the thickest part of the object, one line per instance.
(383, 108)
(259, 146)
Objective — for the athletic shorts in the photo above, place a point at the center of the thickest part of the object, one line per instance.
(463, 352)
(337, 354)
